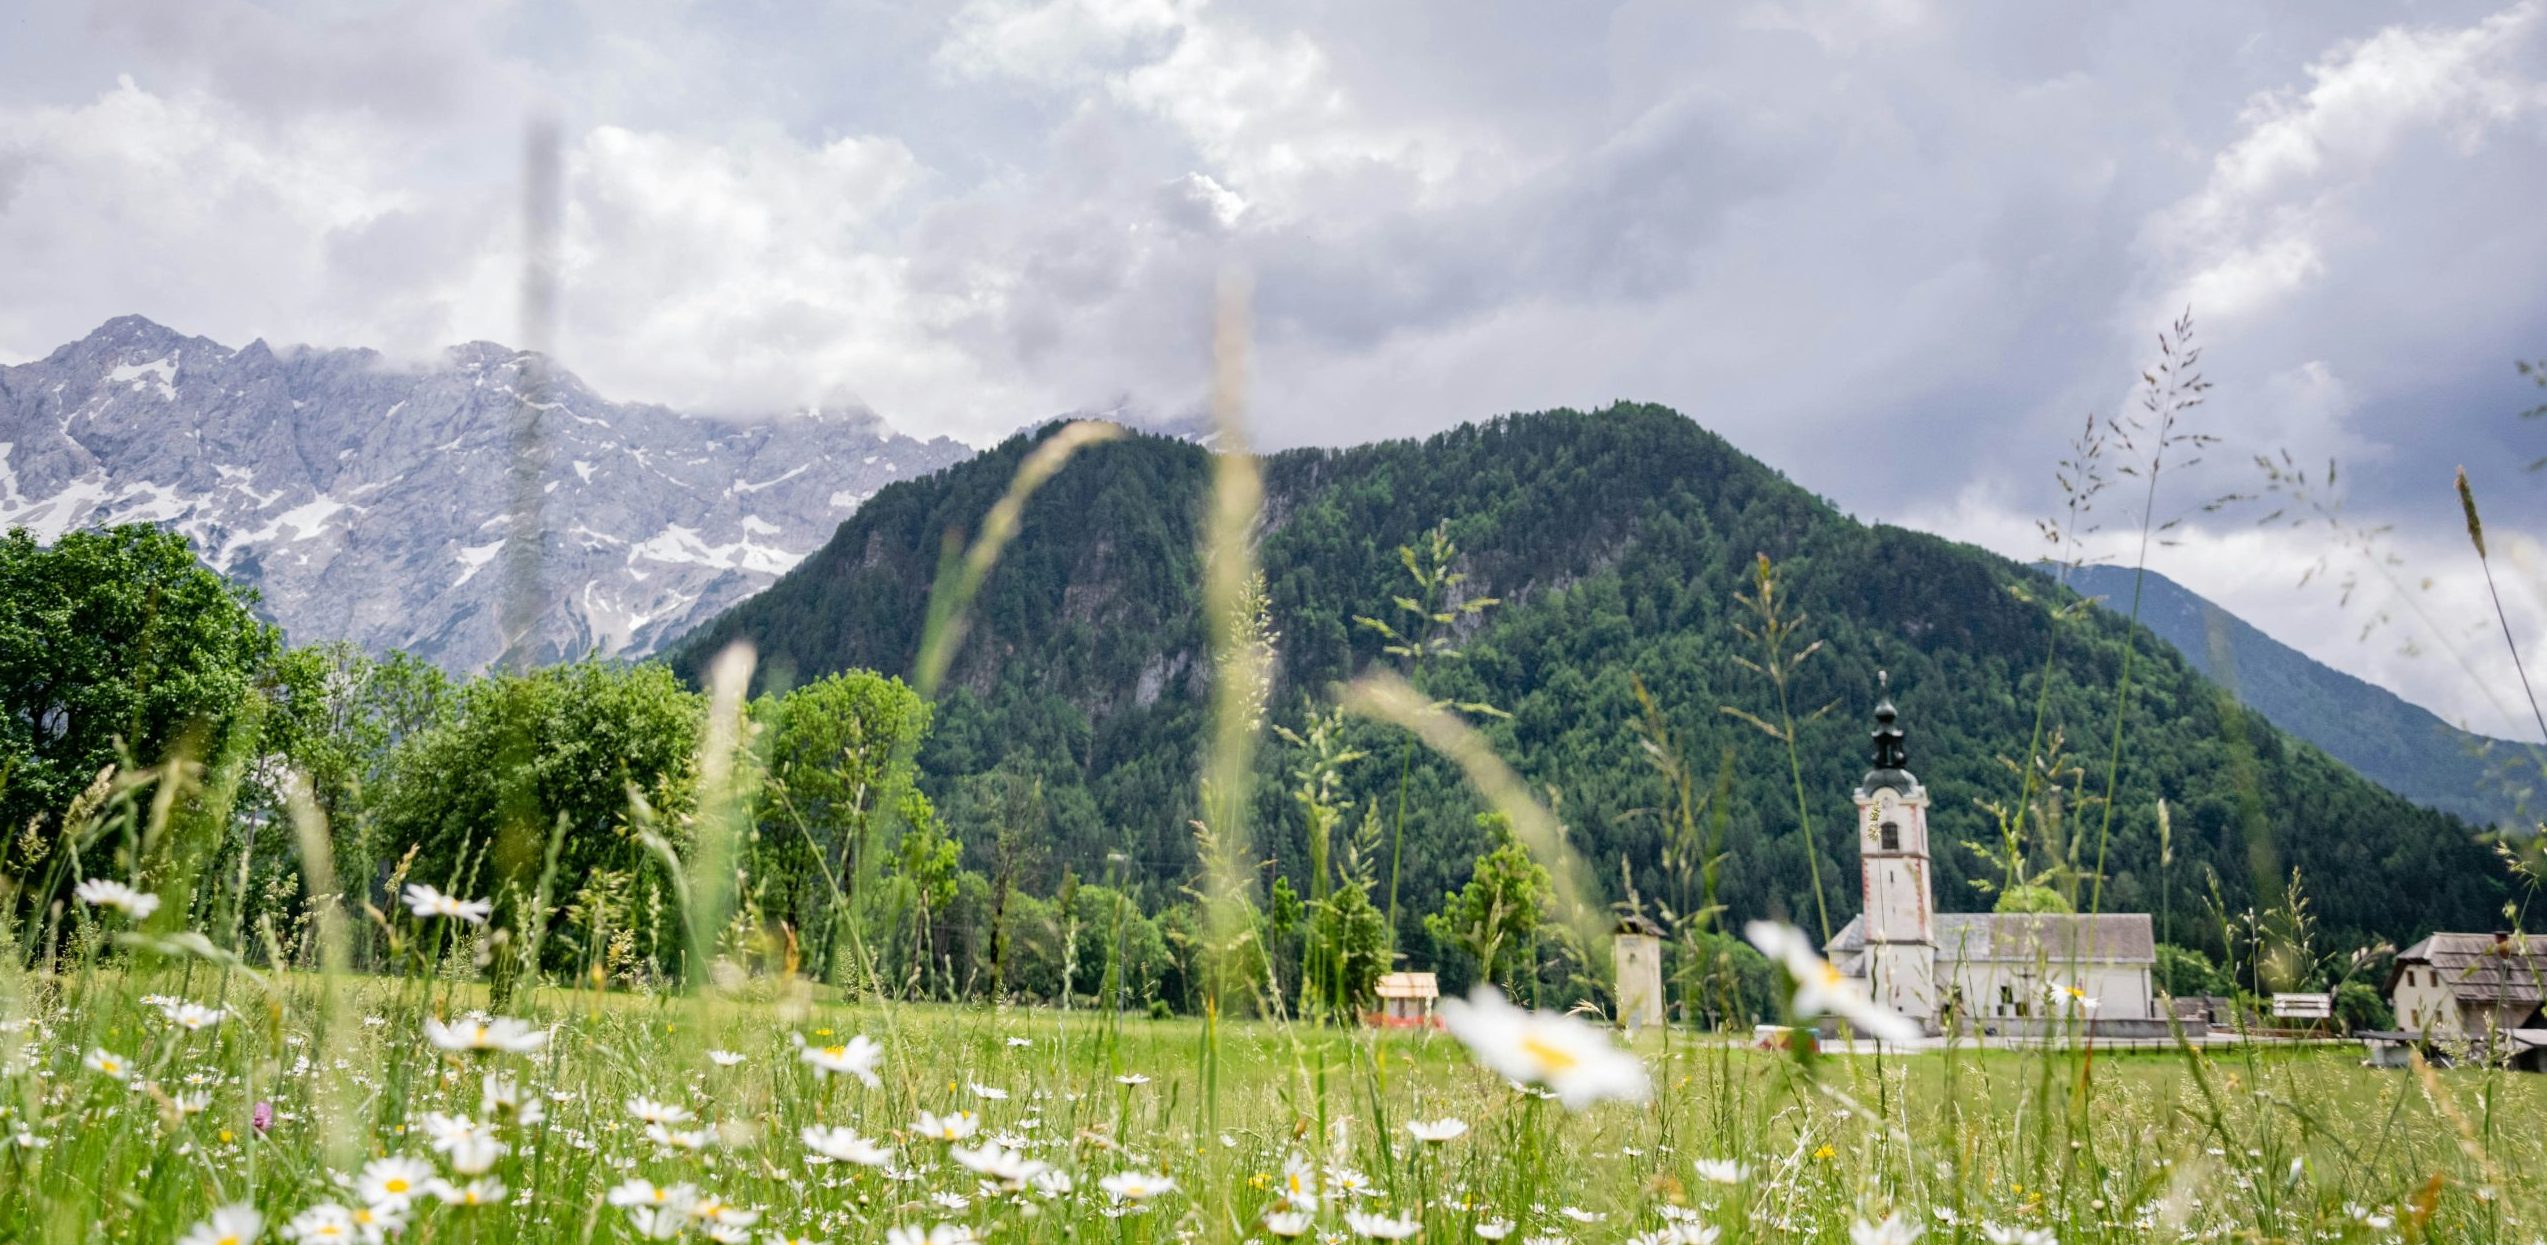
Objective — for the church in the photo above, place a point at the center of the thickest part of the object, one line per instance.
(1987, 973)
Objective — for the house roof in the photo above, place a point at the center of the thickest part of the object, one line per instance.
(2481, 967)
(2008, 937)
(1409, 986)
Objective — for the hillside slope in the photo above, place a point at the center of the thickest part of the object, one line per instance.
(1618, 541)
(2401, 746)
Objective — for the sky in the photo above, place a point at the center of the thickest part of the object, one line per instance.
(1901, 251)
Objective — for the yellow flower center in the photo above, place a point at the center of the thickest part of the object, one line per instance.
(394, 1185)
(836, 1052)
(1551, 1059)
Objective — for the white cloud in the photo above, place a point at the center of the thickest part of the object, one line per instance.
(2278, 198)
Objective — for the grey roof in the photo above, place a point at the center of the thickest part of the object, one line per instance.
(2049, 938)
(2482, 967)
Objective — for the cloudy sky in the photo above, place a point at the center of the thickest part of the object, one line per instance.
(1898, 249)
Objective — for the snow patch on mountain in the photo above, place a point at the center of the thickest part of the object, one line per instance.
(370, 502)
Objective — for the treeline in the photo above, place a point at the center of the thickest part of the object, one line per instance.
(1619, 545)
(162, 733)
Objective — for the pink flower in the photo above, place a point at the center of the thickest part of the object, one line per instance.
(262, 1119)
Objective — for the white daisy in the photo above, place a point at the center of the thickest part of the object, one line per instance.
(1892, 1231)
(844, 1145)
(952, 1126)
(1437, 1131)
(1382, 1227)
(857, 1057)
(1135, 1186)
(1577, 1062)
(107, 893)
(425, 901)
(393, 1181)
(1821, 989)
(235, 1224)
(490, 1033)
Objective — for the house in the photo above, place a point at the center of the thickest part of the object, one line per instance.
(1406, 1000)
(2000, 973)
(2471, 991)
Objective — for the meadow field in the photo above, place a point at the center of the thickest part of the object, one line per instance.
(140, 1105)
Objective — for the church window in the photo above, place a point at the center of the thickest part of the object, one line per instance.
(1892, 836)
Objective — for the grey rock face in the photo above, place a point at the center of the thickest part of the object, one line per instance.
(370, 502)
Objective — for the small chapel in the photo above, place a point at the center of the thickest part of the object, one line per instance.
(2000, 974)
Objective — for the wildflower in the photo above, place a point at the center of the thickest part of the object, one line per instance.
(261, 1117)
(1821, 989)
(497, 1033)
(323, 1222)
(235, 1224)
(639, 1193)
(781, 1238)
(716, 1211)
(1720, 1171)
(192, 1017)
(484, 1191)
(1299, 1184)
(657, 1223)
(425, 901)
(394, 1181)
(1997, 1235)
(2062, 994)
(678, 1138)
(989, 1093)
(1021, 1041)
(1574, 1060)
(999, 1163)
(724, 1058)
(1287, 1223)
(1135, 1186)
(1436, 1131)
(953, 1126)
(470, 1149)
(1892, 1231)
(374, 1225)
(107, 893)
(1054, 1182)
(648, 1111)
(109, 1063)
(1132, 1079)
(857, 1057)
(1493, 1229)
(503, 1100)
(942, 1234)
(845, 1145)
(1825, 1152)
(1382, 1227)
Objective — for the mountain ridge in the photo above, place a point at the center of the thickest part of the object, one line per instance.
(1619, 541)
(2393, 741)
(367, 500)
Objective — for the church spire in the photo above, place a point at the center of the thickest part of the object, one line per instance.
(1891, 747)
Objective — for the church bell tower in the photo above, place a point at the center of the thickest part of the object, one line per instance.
(1892, 851)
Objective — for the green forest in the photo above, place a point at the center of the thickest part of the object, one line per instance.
(1616, 547)
(1606, 595)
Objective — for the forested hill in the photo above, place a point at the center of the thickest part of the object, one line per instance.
(1618, 541)
(2402, 746)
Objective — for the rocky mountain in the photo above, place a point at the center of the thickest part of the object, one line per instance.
(2399, 745)
(369, 501)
